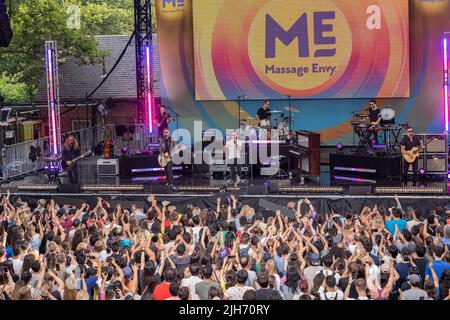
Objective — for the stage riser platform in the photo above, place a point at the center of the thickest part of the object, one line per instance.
(368, 166)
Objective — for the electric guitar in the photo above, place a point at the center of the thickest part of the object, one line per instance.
(165, 159)
(69, 168)
(411, 155)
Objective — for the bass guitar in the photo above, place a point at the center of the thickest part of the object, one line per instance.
(68, 168)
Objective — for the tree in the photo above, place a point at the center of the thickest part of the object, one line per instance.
(36, 21)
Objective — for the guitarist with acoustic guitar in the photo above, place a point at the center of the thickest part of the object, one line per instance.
(409, 147)
(71, 151)
(166, 149)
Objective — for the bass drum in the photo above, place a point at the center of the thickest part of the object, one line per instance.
(387, 114)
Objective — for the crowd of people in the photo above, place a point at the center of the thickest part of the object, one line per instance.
(56, 251)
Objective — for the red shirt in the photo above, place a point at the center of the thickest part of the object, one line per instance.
(161, 291)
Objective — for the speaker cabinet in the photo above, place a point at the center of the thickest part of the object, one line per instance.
(436, 163)
(438, 143)
(420, 165)
(107, 167)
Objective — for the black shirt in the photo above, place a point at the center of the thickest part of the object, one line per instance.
(408, 144)
(374, 115)
(68, 155)
(166, 145)
(263, 114)
(162, 120)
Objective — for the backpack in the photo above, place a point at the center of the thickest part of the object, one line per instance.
(332, 298)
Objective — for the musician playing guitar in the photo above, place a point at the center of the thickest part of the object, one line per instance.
(409, 142)
(162, 120)
(375, 118)
(71, 150)
(166, 148)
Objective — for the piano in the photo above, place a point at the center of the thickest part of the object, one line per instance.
(304, 156)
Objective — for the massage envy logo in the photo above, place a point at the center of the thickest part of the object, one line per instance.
(302, 48)
(173, 6)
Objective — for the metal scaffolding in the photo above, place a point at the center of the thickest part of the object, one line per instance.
(143, 45)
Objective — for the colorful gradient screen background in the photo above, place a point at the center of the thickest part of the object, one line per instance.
(270, 49)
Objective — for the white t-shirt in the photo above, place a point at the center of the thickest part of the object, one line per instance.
(190, 283)
(196, 231)
(234, 149)
(17, 265)
(237, 293)
(335, 295)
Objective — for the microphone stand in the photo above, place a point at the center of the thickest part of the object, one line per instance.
(239, 110)
(177, 117)
(290, 112)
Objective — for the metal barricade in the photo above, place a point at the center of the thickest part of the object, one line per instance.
(17, 160)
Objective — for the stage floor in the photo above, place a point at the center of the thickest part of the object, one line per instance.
(88, 175)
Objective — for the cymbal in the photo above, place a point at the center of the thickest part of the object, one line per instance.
(361, 115)
(293, 109)
(275, 111)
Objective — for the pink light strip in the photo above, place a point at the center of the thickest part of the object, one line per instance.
(52, 101)
(446, 97)
(149, 95)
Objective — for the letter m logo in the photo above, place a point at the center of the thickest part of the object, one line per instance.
(165, 2)
(299, 30)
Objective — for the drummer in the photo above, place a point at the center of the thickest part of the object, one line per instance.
(263, 113)
(374, 117)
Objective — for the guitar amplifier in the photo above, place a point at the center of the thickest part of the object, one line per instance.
(436, 163)
(108, 167)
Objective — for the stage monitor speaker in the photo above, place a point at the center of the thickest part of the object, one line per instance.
(107, 167)
(437, 163)
(5, 27)
(257, 190)
(438, 144)
(360, 190)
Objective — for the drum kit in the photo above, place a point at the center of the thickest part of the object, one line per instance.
(278, 121)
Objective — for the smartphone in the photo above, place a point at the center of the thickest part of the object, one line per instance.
(231, 257)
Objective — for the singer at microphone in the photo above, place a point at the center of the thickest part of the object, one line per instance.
(233, 149)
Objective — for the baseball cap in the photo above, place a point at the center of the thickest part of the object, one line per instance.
(414, 279)
(314, 259)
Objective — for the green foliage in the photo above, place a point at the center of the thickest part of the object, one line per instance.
(36, 21)
(15, 91)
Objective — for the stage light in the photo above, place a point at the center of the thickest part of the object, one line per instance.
(51, 57)
(373, 141)
(38, 187)
(446, 80)
(96, 187)
(124, 150)
(149, 89)
(309, 189)
(339, 147)
(200, 188)
(409, 190)
(422, 171)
